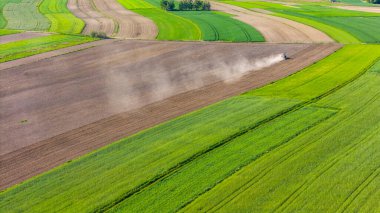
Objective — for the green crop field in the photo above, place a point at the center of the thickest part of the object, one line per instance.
(170, 26)
(270, 148)
(8, 32)
(62, 21)
(193, 25)
(221, 27)
(24, 15)
(344, 26)
(20, 49)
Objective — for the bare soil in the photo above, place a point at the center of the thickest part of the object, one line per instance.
(20, 36)
(274, 29)
(60, 108)
(113, 19)
(360, 8)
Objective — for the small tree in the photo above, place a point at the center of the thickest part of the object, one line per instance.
(198, 5)
(167, 5)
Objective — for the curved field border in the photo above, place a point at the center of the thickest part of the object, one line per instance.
(274, 29)
(217, 26)
(62, 21)
(335, 33)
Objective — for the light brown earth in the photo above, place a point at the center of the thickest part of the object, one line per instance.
(60, 108)
(20, 36)
(274, 29)
(113, 19)
(360, 8)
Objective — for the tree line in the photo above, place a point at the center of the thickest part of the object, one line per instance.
(186, 5)
(373, 1)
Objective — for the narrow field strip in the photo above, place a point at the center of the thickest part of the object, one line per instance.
(4, 32)
(24, 15)
(24, 48)
(159, 152)
(20, 36)
(62, 21)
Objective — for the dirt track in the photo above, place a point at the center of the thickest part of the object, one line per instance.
(113, 19)
(274, 29)
(60, 108)
(20, 36)
(362, 9)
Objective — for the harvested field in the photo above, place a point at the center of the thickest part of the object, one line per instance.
(110, 17)
(56, 113)
(274, 29)
(361, 9)
(20, 36)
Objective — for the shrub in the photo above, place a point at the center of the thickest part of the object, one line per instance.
(102, 35)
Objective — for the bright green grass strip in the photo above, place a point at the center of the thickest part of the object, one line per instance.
(170, 26)
(221, 27)
(24, 15)
(62, 21)
(106, 176)
(324, 75)
(205, 172)
(8, 32)
(135, 4)
(329, 168)
(20, 49)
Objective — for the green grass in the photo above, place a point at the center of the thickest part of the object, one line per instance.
(24, 15)
(20, 49)
(221, 27)
(8, 32)
(188, 156)
(62, 21)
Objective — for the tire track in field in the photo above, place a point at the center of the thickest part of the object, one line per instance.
(319, 172)
(113, 19)
(366, 182)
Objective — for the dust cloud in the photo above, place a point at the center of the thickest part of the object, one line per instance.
(141, 84)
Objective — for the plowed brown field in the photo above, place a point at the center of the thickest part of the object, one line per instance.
(113, 19)
(62, 107)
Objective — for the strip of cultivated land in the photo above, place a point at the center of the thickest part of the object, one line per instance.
(111, 18)
(20, 36)
(28, 47)
(274, 29)
(133, 92)
(362, 9)
(311, 124)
